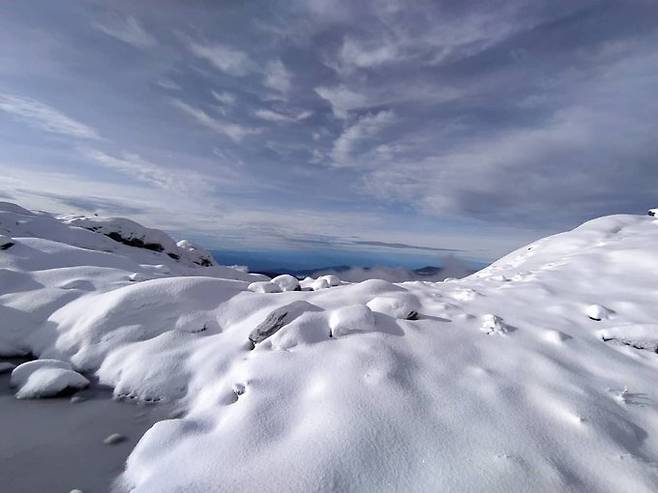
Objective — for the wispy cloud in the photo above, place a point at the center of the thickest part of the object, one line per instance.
(225, 58)
(135, 166)
(364, 129)
(274, 116)
(44, 117)
(224, 97)
(355, 54)
(277, 77)
(169, 85)
(129, 30)
(342, 99)
(233, 131)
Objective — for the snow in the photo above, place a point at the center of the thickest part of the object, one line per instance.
(286, 282)
(264, 287)
(501, 381)
(45, 378)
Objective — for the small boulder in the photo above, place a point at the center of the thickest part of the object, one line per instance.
(331, 279)
(402, 306)
(493, 324)
(286, 282)
(597, 312)
(45, 378)
(319, 283)
(114, 438)
(264, 287)
(352, 318)
(6, 242)
(278, 318)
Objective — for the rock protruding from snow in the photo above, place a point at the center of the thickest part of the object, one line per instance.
(134, 234)
(597, 312)
(493, 324)
(45, 378)
(402, 306)
(6, 242)
(351, 318)
(278, 318)
(638, 336)
(286, 282)
(332, 279)
(114, 438)
(264, 287)
(653, 212)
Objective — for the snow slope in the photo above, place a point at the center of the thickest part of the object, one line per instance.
(536, 374)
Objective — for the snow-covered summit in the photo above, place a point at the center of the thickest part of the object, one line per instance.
(536, 374)
(17, 221)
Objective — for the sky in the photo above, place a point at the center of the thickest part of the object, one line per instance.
(384, 127)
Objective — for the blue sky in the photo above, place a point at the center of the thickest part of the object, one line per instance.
(378, 126)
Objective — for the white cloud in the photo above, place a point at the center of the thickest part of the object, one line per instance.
(362, 130)
(229, 60)
(169, 85)
(129, 31)
(342, 99)
(44, 117)
(233, 131)
(273, 116)
(145, 171)
(224, 97)
(354, 54)
(277, 77)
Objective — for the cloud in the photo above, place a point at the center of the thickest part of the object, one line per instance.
(342, 99)
(135, 166)
(274, 116)
(224, 97)
(44, 117)
(233, 131)
(354, 54)
(225, 58)
(361, 131)
(277, 77)
(128, 30)
(452, 267)
(404, 246)
(168, 84)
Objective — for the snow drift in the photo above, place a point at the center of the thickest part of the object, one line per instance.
(507, 380)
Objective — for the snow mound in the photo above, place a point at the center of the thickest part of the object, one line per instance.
(286, 282)
(402, 305)
(45, 378)
(343, 388)
(349, 319)
(264, 287)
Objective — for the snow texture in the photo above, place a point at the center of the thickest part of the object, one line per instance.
(341, 389)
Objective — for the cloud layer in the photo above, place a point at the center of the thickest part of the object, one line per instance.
(461, 125)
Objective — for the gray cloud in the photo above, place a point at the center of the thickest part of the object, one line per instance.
(441, 119)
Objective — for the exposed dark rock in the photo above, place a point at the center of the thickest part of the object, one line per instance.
(279, 318)
(133, 242)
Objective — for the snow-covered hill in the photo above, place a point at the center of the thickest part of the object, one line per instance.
(536, 374)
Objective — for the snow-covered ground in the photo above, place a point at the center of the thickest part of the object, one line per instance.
(537, 373)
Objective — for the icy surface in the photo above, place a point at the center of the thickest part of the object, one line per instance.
(502, 381)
